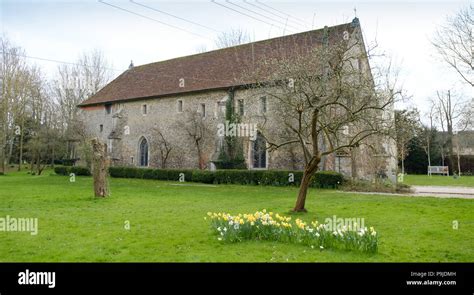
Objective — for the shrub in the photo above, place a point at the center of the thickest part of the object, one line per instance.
(328, 179)
(264, 226)
(175, 174)
(203, 176)
(61, 170)
(160, 174)
(324, 179)
(77, 170)
(118, 172)
(148, 173)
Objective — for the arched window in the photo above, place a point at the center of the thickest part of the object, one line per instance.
(259, 152)
(143, 152)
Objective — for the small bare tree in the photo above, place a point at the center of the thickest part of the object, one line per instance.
(428, 133)
(327, 98)
(406, 128)
(231, 38)
(454, 42)
(197, 130)
(164, 146)
(449, 113)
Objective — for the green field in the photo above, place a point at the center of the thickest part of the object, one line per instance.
(439, 180)
(167, 222)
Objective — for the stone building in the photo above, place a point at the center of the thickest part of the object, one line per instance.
(147, 111)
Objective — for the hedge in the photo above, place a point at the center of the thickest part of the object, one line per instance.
(322, 179)
(77, 170)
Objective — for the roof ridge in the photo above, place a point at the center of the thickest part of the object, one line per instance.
(242, 45)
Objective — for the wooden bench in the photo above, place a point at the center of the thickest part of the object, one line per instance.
(438, 170)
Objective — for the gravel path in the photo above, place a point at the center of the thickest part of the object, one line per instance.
(432, 191)
(444, 191)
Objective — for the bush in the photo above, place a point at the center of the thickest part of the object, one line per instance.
(61, 170)
(118, 172)
(322, 179)
(203, 176)
(328, 179)
(77, 170)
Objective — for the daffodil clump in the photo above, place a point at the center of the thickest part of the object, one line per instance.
(263, 225)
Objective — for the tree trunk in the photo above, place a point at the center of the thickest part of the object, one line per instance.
(20, 156)
(403, 161)
(10, 151)
(353, 165)
(201, 163)
(100, 165)
(452, 157)
(38, 164)
(308, 173)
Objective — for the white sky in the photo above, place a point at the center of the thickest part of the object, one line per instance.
(61, 30)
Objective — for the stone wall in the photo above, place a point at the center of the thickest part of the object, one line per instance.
(126, 125)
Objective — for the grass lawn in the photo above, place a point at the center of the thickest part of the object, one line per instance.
(167, 222)
(439, 180)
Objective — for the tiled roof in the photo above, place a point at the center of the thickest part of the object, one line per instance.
(218, 69)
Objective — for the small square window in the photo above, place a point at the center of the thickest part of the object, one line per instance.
(180, 106)
(203, 110)
(263, 105)
(101, 127)
(108, 109)
(144, 109)
(240, 106)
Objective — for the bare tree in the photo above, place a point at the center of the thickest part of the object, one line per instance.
(454, 42)
(74, 84)
(428, 132)
(406, 128)
(328, 99)
(13, 72)
(449, 113)
(197, 130)
(231, 38)
(164, 146)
